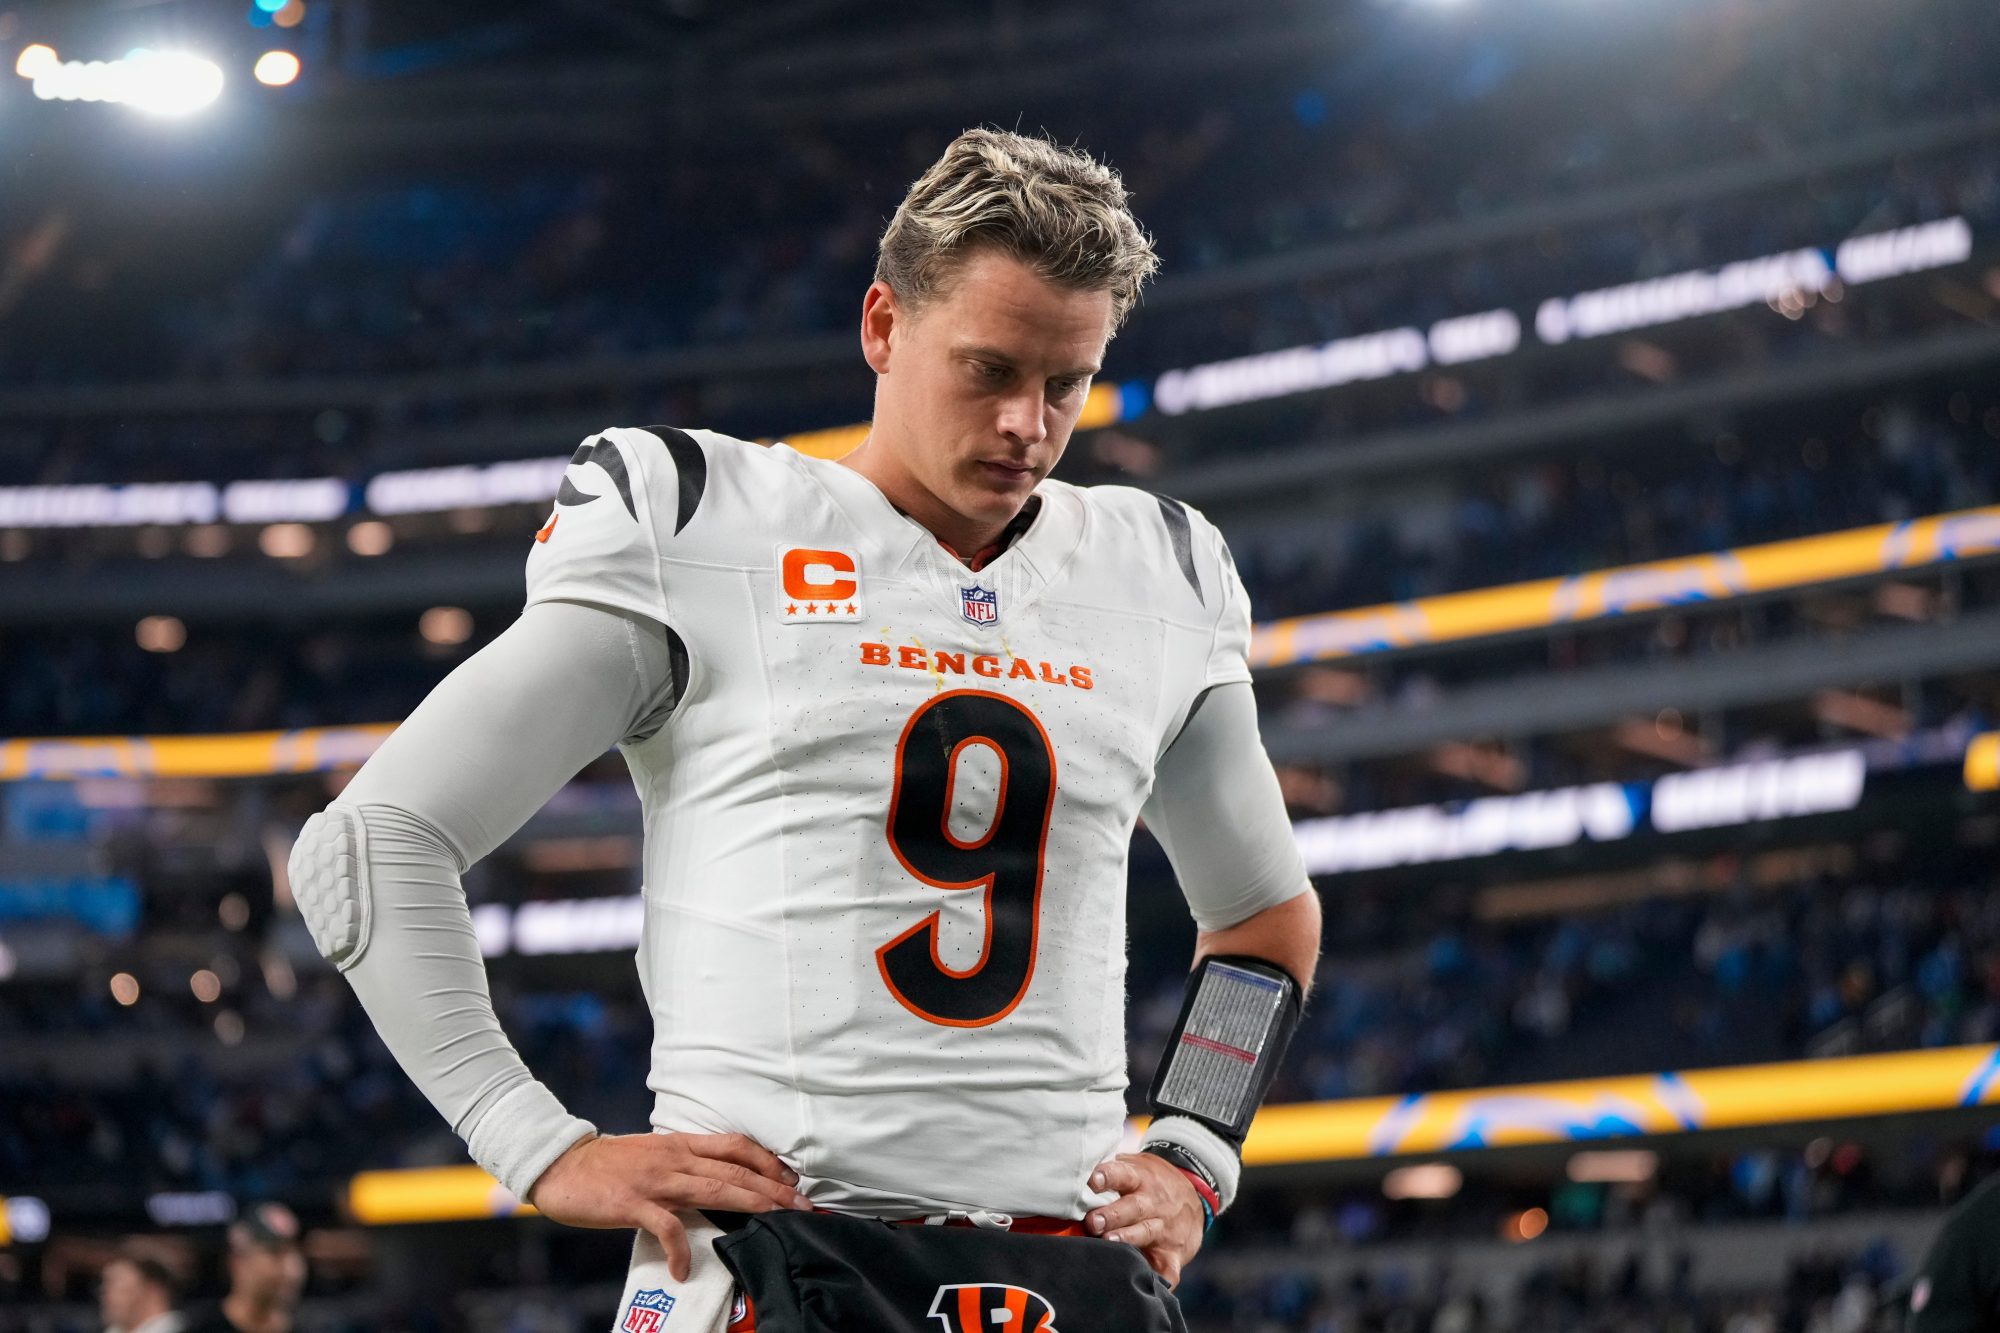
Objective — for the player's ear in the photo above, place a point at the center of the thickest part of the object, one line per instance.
(879, 315)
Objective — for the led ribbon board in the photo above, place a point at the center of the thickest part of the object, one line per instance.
(1581, 1111)
(430, 1194)
(1546, 603)
(1594, 1110)
(241, 755)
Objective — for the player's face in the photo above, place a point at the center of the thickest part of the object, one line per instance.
(123, 1294)
(270, 1275)
(980, 389)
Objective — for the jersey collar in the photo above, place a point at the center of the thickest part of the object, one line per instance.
(1032, 550)
(992, 551)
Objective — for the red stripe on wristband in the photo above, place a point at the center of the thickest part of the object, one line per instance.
(1204, 1189)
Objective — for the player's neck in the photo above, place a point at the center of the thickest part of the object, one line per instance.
(963, 537)
(255, 1316)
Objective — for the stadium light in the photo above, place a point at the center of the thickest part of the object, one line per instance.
(371, 538)
(161, 634)
(1631, 1166)
(276, 69)
(286, 541)
(201, 1208)
(445, 625)
(158, 83)
(170, 83)
(36, 60)
(25, 1219)
(1429, 1180)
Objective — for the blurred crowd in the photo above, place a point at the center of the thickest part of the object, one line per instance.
(1842, 1289)
(408, 270)
(1751, 976)
(1771, 476)
(225, 678)
(303, 1096)
(1845, 1293)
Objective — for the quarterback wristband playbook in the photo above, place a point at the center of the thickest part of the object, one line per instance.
(1235, 1023)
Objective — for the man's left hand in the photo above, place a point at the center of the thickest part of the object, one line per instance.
(1157, 1210)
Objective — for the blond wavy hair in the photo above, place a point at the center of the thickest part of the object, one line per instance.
(1058, 210)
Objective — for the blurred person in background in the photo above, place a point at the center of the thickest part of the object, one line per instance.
(139, 1295)
(267, 1273)
(1957, 1287)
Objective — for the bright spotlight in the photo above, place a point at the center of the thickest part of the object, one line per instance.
(35, 61)
(275, 69)
(171, 83)
(159, 83)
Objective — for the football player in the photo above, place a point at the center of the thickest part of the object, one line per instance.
(893, 720)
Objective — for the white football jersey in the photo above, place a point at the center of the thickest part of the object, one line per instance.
(887, 821)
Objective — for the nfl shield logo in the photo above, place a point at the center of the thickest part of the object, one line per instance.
(649, 1310)
(981, 606)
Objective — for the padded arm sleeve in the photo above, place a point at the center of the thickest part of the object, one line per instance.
(377, 873)
(1216, 808)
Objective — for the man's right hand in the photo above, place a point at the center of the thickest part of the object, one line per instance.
(641, 1180)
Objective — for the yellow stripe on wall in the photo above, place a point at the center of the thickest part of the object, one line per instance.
(1982, 762)
(1581, 1111)
(430, 1194)
(242, 754)
(1545, 603)
(1590, 1110)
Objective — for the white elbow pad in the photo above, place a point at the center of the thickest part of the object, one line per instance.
(329, 874)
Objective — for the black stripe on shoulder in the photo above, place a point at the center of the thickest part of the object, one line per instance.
(605, 454)
(1180, 533)
(690, 465)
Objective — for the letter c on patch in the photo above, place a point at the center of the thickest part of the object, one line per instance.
(802, 567)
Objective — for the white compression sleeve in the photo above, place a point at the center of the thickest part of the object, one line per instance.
(1216, 809)
(377, 874)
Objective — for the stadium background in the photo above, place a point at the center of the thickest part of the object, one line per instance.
(1602, 401)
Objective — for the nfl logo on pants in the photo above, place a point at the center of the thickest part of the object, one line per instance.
(980, 605)
(648, 1312)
